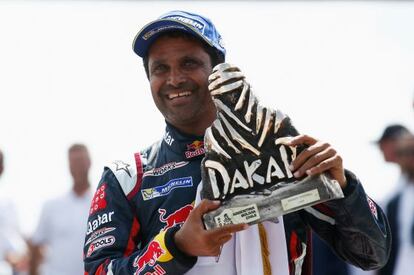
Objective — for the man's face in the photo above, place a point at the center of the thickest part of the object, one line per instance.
(178, 75)
(388, 148)
(79, 164)
(405, 153)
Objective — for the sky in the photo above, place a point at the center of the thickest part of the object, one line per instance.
(341, 70)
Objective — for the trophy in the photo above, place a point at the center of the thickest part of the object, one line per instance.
(246, 165)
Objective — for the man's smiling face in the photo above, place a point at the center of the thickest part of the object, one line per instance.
(178, 73)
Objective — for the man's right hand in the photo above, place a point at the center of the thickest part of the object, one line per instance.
(194, 240)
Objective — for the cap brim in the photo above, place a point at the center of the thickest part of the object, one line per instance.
(147, 35)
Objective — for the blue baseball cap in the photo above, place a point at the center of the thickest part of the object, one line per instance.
(194, 24)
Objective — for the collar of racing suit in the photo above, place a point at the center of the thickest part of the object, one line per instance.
(190, 146)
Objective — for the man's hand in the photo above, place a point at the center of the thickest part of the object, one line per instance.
(317, 158)
(194, 240)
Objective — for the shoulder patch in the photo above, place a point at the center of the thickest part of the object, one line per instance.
(126, 173)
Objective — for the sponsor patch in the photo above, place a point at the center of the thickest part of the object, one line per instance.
(372, 207)
(238, 215)
(98, 200)
(168, 138)
(188, 21)
(99, 233)
(100, 220)
(178, 217)
(150, 256)
(159, 191)
(159, 171)
(152, 32)
(194, 149)
(100, 243)
(156, 252)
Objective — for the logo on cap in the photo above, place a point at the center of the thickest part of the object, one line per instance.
(188, 21)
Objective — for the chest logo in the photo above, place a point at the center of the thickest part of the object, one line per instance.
(163, 190)
(194, 149)
(159, 171)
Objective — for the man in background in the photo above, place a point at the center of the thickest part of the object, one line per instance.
(389, 140)
(400, 212)
(325, 262)
(58, 239)
(13, 252)
(388, 143)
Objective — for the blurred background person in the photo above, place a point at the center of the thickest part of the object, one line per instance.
(57, 243)
(325, 262)
(400, 212)
(389, 140)
(388, 143)
(13, 250)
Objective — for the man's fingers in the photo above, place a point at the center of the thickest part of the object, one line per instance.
(321, 167)
(300, 139)
(312, 159)
(308, 153)
(227, 230)
(206, 206)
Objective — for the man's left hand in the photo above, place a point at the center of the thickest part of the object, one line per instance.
(319, 157)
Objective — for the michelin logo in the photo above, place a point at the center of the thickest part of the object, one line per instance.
(163, 190)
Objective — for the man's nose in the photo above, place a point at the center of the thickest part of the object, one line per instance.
(175, 78)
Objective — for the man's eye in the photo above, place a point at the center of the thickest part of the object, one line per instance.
(159, 69)
(189, 64)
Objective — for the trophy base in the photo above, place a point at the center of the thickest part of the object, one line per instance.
(271, 203)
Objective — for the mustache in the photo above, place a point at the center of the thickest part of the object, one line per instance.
(184, 86)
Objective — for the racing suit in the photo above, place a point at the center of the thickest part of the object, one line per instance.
(138, 207)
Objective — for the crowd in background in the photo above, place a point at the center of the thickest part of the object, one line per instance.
(56, 246)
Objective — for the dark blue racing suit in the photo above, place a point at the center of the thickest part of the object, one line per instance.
(139, 205)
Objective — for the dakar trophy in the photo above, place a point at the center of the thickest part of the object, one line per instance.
(246, 165)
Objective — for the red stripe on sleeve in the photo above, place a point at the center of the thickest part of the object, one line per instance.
(101, 268)
(140, 172)
(133, 233)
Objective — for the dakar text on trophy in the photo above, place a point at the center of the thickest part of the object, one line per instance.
(246, 165)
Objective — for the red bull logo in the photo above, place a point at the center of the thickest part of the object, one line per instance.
(197, 144)
(150, 256)
(195, 148)
(178, 217)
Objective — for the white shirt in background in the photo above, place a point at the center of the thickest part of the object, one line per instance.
(11, 239)
(61, 229)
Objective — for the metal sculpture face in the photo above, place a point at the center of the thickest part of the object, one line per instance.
(247, 164)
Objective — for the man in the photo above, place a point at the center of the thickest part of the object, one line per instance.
(400, 212)
(59, 234)
(13, 251)
(148, 222)
(389, 140)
